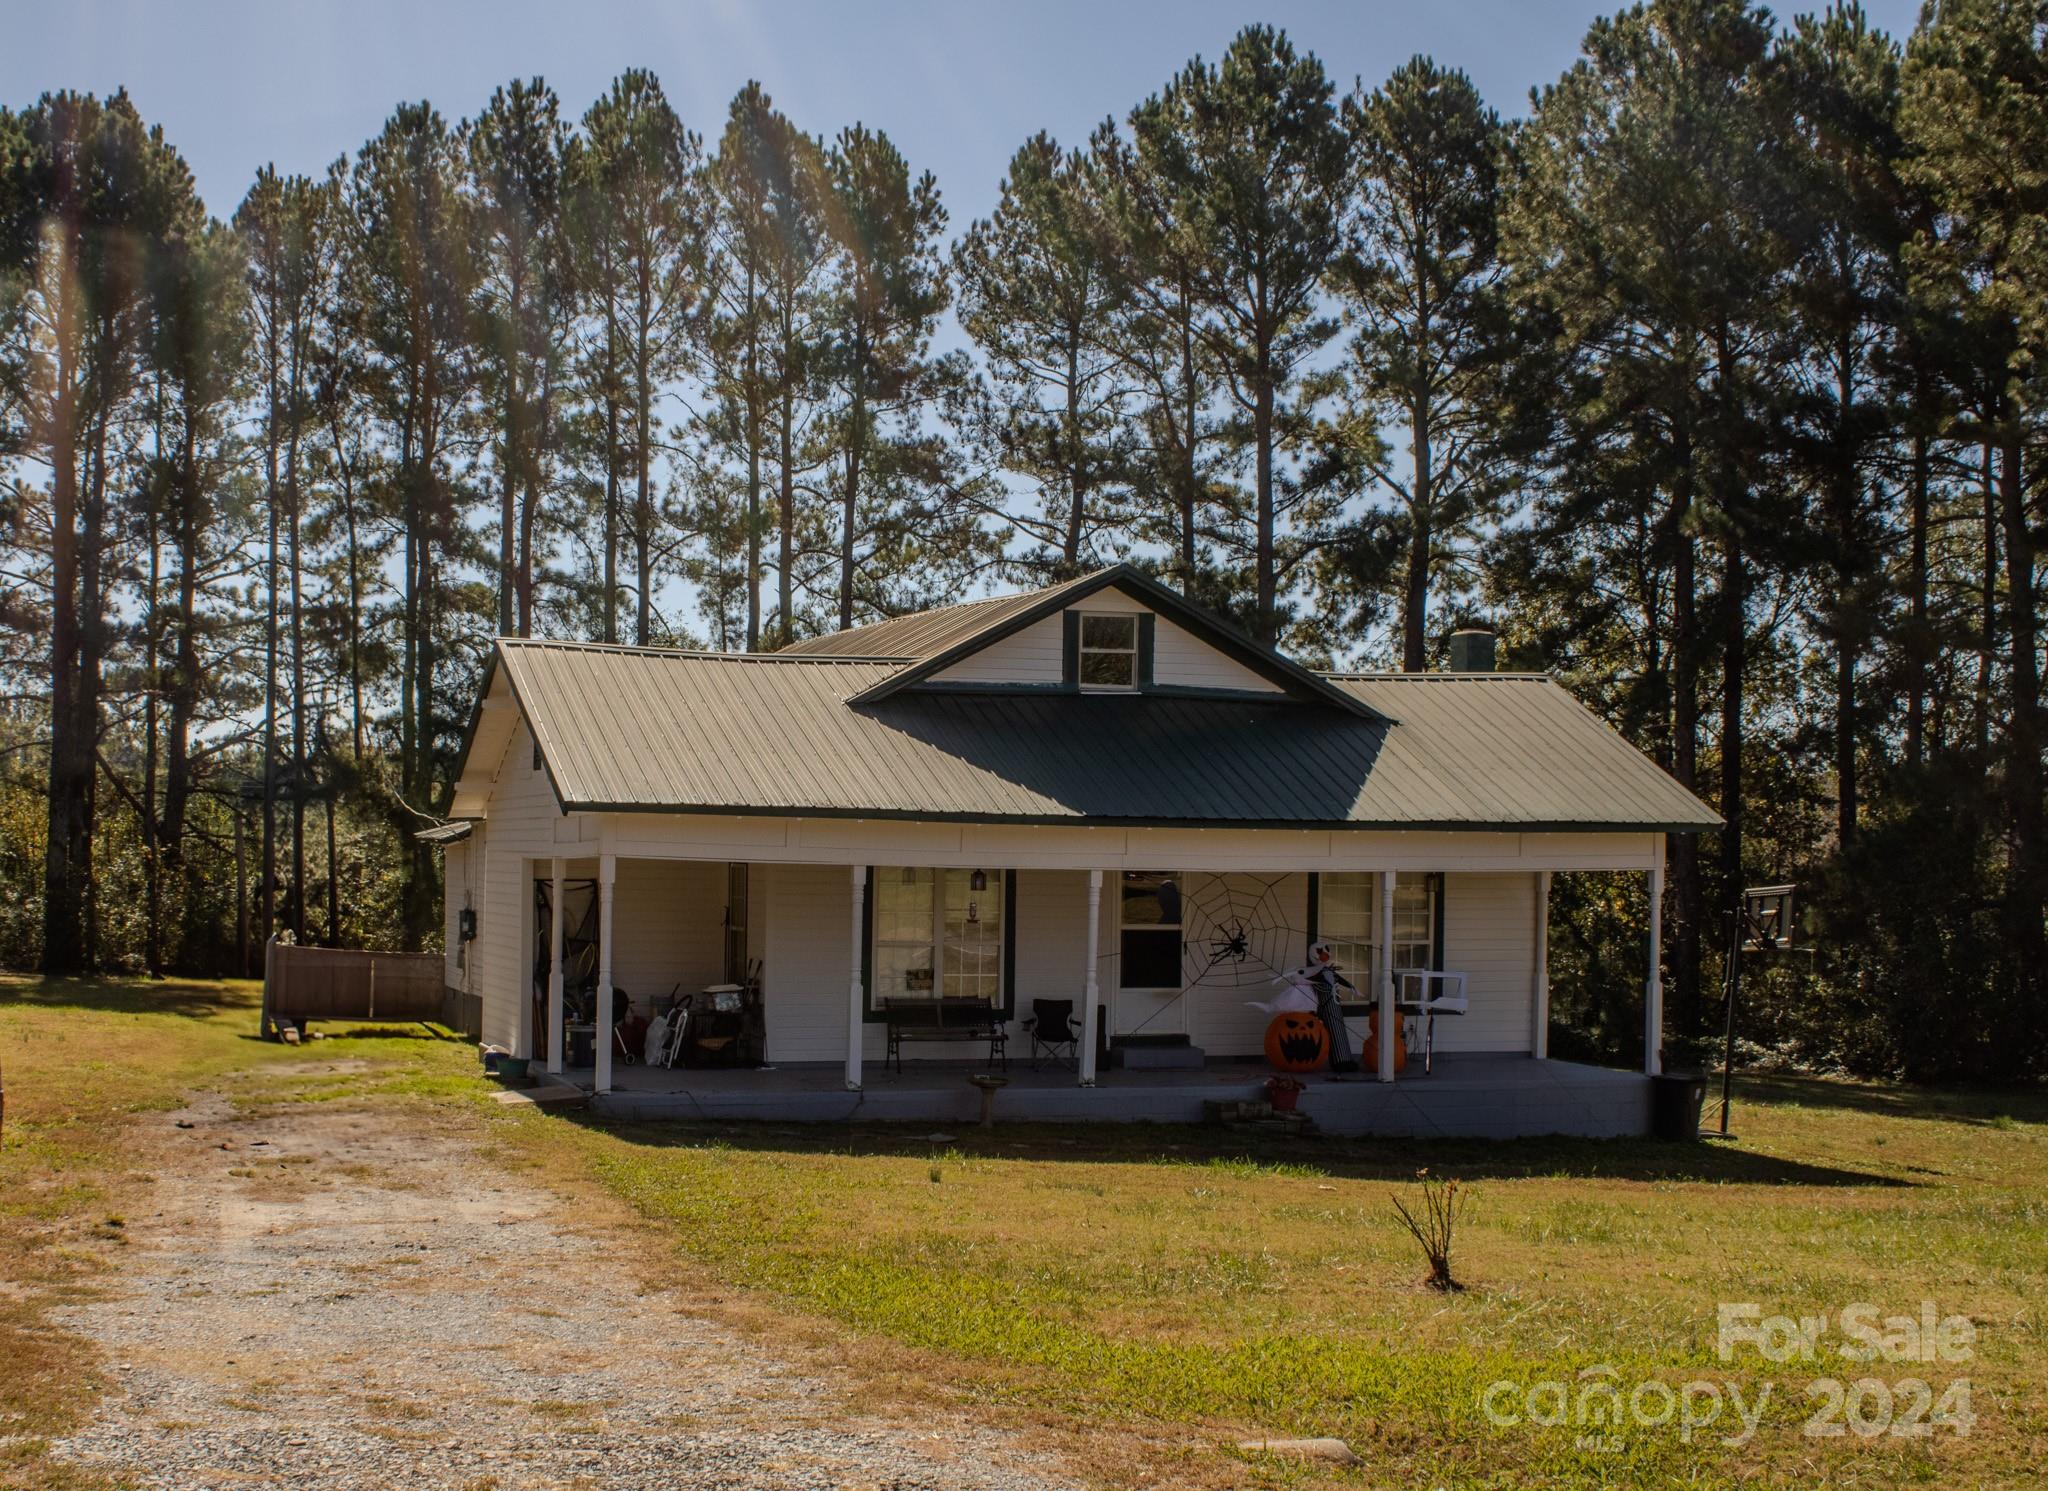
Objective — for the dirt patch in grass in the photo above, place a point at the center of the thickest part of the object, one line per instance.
(375, 1307)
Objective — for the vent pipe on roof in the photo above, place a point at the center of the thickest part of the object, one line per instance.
(1472, 649)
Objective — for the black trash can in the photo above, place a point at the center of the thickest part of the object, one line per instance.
(1675, 1102)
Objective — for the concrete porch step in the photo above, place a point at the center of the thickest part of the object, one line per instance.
(1182, 1056)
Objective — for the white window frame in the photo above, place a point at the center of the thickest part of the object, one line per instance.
(1353, 948)
(939, 940)
(1128, 618)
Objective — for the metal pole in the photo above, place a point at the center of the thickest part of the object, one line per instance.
(241, 897)
(1728, 1025)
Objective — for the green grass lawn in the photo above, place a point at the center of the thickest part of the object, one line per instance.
(1185, 1288)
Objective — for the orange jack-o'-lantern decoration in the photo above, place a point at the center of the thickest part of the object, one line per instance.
(1297, 1041)
(1370, 1058)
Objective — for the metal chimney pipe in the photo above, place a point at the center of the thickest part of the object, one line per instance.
(1472, 649)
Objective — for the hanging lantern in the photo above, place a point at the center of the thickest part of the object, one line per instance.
(978, 880)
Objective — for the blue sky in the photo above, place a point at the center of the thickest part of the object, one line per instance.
(957, 86)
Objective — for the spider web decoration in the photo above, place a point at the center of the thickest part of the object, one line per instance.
(1235, 933)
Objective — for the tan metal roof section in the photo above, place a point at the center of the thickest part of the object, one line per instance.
(925, 634)
(638, 730)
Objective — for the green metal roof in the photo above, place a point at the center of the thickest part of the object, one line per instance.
(642, 730)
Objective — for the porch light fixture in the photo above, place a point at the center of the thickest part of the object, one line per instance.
(909, 875)
(978, 880)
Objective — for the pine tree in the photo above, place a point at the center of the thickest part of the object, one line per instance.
(741, 233)
(1975, 115)
(1041, 290)
(1835, 86)
(887, 292)
(639, 181)
(1642, 229)
(796, 249)
(410, 281)
(1422, 282)
(287, 230)
(1248, 169)
(525, 302)
(85, 188)
(200, 359)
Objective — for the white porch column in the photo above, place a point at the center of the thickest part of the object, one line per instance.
(607, 872)
(525, 1039)
(554, 1063)
(1385, 940)
(856, 994)
(1091, 986)
(1653, 986)
(1539, 1014)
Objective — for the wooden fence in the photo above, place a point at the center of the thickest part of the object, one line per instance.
(335, 983)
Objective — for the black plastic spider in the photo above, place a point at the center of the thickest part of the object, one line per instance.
(1232, 941)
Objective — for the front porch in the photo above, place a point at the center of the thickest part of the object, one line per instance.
(1468, 1095)
(1172, 971)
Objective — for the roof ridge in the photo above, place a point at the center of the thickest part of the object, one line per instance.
(1396, 676)
(628, 649)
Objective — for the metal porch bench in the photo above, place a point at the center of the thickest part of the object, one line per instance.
(945, 1020)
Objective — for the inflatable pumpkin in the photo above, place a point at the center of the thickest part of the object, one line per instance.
(1369, 1060)
(1297, 1041)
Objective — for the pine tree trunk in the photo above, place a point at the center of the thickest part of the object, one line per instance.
(67, 849)
(1415, 590)
(1262, 435)
(610, 606)
(1988, 605)
(753, 395)
(785, 586)
(1688, 894)
(643, 463)
(1077, 478)
(295, 558)
(268, 870)
(856, 440)
(2027, 894)
(1916, 584)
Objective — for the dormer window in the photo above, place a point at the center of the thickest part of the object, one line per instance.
(1109, 652)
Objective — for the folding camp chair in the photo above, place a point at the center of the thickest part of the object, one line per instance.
(1054, 1032)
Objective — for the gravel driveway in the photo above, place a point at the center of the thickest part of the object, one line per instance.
(339, 1299)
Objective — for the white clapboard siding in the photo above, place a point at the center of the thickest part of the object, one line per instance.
(809, 963)
(1490, 937)
(1052, 935)
(522, 814)
(667, 928)
(458, 892)
(1181, 660)
(1034, 655)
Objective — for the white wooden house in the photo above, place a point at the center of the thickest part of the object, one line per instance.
(1094, 792)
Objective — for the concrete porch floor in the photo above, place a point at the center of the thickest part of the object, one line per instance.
(1476, 1095)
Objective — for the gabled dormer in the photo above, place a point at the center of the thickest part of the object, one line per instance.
(1114, 632)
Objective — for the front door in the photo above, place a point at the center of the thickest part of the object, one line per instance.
(1148, 998)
